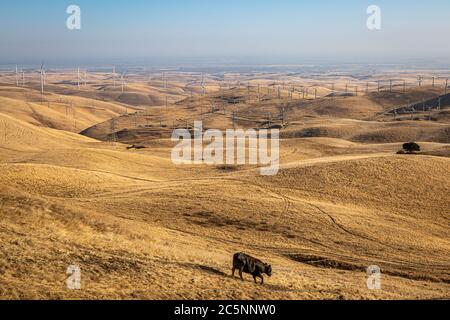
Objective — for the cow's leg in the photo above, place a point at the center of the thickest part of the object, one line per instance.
(234, 270)
(254, 278)
(240, 273)
(262, 279)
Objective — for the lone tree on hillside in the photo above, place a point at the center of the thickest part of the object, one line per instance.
(411, 147)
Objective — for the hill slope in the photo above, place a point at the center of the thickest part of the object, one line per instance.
(137, 231)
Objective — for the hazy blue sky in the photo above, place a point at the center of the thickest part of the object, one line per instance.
(251, 30)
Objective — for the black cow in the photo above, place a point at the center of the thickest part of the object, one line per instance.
(135, 147)
(253, 266)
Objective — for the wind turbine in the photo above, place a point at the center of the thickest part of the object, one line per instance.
(42, 78)
(78, 78)
(114, 76)
(17, 77)
(23, 78)
(122, 78)
(203, 83)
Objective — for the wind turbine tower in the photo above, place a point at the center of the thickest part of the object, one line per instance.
(78, 78)
(17, 77)
(114, 76)
(203, 83)
(42, 78)
(122, 78)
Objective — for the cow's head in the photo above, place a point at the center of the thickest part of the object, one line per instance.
(268, 269)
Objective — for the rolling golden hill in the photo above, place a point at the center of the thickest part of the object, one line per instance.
(140, 227)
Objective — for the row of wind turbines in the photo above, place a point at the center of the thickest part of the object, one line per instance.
(20, 77)
(43, 78)
(122, 78)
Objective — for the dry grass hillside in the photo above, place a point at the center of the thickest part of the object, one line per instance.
(63, 112)
(140, 227)
(354, 118)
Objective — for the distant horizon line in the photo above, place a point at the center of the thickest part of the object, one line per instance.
(230, 64)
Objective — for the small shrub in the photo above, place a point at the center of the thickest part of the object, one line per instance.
(411, 147)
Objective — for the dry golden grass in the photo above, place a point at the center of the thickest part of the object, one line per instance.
(140, 227)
